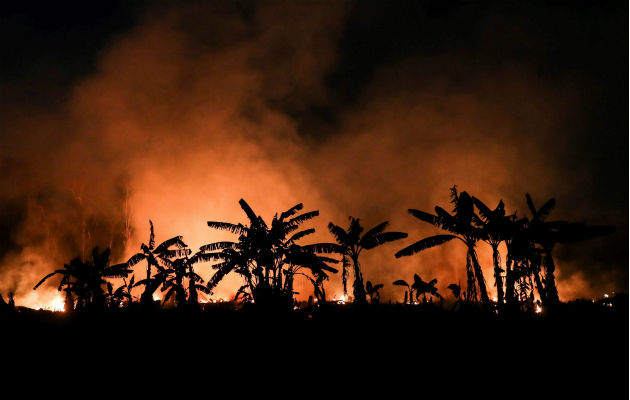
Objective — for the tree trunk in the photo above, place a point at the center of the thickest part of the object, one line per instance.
(359, 288)
(344, 278)
(509, 282)
(481, 282)
(498, 279)
(551, 293)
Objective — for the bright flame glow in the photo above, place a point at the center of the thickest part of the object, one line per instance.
(538, 309)
(57, 304)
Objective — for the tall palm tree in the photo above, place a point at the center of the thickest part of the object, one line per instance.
(85, 279)
(156, 257)
(546, 234)
(267, 257)
(350, 245)
(182, 270)
(66, 283)
(462, 225)
(496, 226)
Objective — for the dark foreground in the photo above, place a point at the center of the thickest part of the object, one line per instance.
(578, 348)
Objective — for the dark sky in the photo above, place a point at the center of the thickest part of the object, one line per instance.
(561, 62)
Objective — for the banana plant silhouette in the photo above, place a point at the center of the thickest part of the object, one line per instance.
(463, 226)
(372, 291)
(89, 278)
(417, 288)
(268, 257)
(182, 269)
(122, 295)
(67, 284)
(351, 244)
(546, 234)
(156, 257)
(497, 227)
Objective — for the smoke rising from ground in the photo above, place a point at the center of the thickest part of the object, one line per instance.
(198, 106)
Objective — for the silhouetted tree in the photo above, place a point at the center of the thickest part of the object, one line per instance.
(85, 279)
(268, 257)
(372, 291)
(496, 227)
(545, 235)
(156, 258)
(462, 226)
(351, 243)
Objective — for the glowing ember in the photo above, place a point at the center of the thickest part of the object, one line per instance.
(538, 309)
(57, 304)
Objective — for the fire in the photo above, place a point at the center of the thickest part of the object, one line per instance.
(538, 309)
(57, 304)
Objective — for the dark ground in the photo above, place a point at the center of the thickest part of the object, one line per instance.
(580, 348)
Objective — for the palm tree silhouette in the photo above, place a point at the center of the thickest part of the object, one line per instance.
(462, 226)
(423, 288)
(417, 288)
(408, 292)
(66, 283)
(544, 235)
(89, 278)
(372, 291)
(268, 257)
(496, 226)
(158, 258)
(351, 243)
(457, 293)
(122, 294)
(181, 270)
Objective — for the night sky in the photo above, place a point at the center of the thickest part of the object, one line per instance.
(175, 110)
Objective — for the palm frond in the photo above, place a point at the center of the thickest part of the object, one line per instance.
(238, 229)
(424, 216)
(325, 248)
(151, 236)
(299, 235)
(253, 218)
(384, 237)
(291, 211)
(218, 246)
(424, 244)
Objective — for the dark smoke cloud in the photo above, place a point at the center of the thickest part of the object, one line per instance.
(360, 109)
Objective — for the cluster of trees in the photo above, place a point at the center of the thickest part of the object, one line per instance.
(268, 258)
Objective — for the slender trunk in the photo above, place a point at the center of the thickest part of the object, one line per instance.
(193, 297)
(344, 277)
(539, 285)
(509, 281)
(498, 279)
(147, 297)
(359, 288)
(481, 282)
(471, 289)
(551, 293)
(279, 279)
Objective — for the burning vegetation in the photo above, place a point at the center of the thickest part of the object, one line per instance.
(269, 257)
